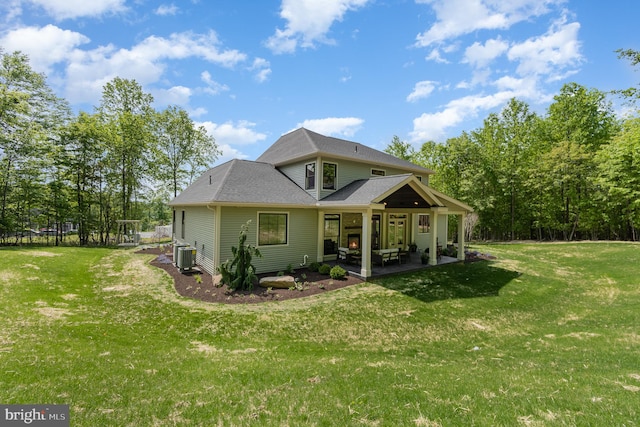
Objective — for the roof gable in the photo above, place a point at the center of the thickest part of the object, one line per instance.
(303, 144)
(394, 191)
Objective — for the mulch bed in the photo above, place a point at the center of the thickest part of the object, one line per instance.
(188, 285)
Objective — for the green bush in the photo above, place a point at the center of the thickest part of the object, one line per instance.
(324, 269)
(239, 273)
(314, 266)
(338, 273)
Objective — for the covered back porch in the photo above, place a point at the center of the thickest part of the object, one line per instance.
(378, 216)
(410, 263)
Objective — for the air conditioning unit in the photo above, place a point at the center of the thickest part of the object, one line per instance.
(186, 258)
(176, 247)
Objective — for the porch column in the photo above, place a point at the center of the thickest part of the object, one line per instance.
(461, 233)
(320, 245)
(433, 250)
(365, 244)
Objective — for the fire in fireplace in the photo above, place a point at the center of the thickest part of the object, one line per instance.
(353, 240)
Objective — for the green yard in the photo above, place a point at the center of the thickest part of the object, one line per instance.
(548, 334)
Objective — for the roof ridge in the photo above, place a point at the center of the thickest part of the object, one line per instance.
(308, 137)
(226, 174)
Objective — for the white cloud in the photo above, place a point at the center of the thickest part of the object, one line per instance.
(478, 77)
(421, 90)
(435, 56)
(68, 9)
(10, 11)
(551, 53)
(458, 17)
(230, 133)
(176, 95)
(523, 65)
(213, 87)
(145, 62)
(433, 126)
(262, 67)
(166, 10)
(188, 44)
(229, 153)
(480, 55)
(336, 126)
(308, 22)
(197, 112)
(45, 46)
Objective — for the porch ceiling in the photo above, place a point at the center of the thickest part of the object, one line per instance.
(405, 197)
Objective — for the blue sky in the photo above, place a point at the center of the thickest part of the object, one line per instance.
(363, 70)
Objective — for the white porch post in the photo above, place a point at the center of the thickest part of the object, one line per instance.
(461, 226)
(320, 245)
(433, 249)
(365, 245)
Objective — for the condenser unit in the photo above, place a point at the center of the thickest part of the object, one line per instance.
(186, 258)
(176, 247)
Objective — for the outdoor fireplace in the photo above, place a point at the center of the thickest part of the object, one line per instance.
(353, 241)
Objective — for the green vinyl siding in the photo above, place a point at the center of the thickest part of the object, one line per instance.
(199, 232)
(302, 240)
(349, 171)
(296, 173)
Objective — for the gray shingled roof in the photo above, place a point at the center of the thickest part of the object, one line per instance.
(243, 181)
(364, 191)
(303, 143)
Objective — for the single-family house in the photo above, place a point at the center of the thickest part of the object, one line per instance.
(308, 196)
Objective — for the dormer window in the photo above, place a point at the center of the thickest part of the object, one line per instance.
(329, 174)
(310, 176)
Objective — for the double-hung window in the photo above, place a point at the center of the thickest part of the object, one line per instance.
(272, 228)
(329, 176)
(310, 176)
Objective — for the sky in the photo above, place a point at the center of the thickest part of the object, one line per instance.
(362, 70)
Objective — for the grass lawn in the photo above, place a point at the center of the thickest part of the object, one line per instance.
(548, 334)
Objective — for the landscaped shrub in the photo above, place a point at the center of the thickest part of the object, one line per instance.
(239, 273)
(338, 273)
(450, 250)
(324, 269)
(314, 266)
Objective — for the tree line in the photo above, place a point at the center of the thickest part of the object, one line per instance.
(124, 160)
(572, 173)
